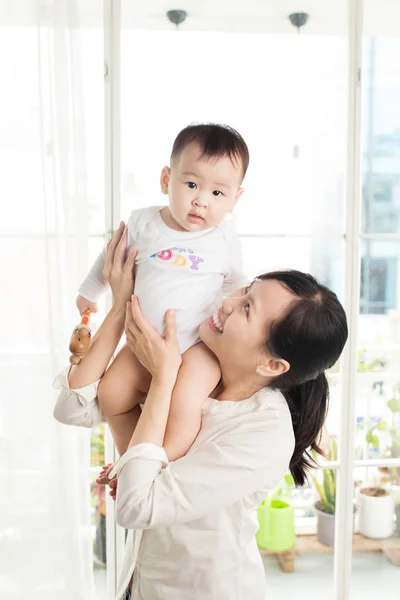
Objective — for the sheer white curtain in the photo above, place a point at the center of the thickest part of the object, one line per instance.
(45, 536)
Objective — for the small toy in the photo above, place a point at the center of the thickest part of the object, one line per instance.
(80, 339)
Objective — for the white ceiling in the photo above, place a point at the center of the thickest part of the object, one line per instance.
(381, 17)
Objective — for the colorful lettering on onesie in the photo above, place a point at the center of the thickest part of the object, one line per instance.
(180, 257)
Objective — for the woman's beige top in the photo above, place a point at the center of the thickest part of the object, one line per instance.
(192, 522)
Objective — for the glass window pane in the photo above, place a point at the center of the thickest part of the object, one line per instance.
(98, 524)
(380, 282)
(291, 94)
(310, 254)
(378, 379)
(381, 129)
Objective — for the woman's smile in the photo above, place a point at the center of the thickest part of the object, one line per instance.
(212, 323)
(215, 323)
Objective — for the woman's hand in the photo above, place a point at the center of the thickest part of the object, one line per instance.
(159, 355)
(118, 270)
(103, 479)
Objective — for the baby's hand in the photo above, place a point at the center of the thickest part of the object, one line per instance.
(84, 304)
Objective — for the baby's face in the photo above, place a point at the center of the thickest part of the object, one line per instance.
(201, 190)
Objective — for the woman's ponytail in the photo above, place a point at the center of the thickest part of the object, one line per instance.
(310, 337)
(308, 405)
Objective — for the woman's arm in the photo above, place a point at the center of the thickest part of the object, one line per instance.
(93, 365)
(162, 358)
(77, 407)
(119, 273)
(248, 457)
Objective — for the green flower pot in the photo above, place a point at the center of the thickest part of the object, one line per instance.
(276, 531)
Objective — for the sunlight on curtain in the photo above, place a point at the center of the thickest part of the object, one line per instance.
(45, 537)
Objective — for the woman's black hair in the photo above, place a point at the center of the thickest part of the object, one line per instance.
(310, 336)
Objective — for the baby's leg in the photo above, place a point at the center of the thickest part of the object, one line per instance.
(122, 428)
(121, 389)
(198, 376)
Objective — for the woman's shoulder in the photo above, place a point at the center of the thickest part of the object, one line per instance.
(260, 421)
(264, 399)
(265, 410)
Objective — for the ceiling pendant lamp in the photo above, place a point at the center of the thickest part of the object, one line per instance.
(298, 20)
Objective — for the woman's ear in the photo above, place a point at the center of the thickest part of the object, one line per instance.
(272, 367)
(164, 179)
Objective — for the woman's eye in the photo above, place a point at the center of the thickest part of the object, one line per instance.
(247, 308)
(217, 193)
(191, 185)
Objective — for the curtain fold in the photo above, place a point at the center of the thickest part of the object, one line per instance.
(45, 529)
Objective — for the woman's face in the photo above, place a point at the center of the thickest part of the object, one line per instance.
(237, 331)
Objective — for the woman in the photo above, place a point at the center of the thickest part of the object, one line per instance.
(192, 522)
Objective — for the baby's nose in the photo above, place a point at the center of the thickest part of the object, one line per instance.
(200, 200)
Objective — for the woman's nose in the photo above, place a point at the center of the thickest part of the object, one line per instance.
(228, 306)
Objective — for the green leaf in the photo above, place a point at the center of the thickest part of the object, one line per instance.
(321, 492)
(289, 479)
(333, 449)
(372, 439)
(381, 426)
(394, 405)
(330, 486)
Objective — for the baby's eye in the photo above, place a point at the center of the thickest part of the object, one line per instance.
(247, 309)
(191, 185)
(217, 193)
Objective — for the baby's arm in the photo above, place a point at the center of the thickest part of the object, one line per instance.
(198, 376)
(83, 304)
(94, 283)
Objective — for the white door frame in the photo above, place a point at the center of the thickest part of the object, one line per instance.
(345, 488)
(115, 535)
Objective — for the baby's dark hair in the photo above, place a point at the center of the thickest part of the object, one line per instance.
(215, 141)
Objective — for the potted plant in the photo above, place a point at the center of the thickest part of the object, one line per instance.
(375, 512)
(376, 503)
(325, 506)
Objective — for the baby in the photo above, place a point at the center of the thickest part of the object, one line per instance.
(188, 258)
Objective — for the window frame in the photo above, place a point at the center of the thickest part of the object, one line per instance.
(346, 464)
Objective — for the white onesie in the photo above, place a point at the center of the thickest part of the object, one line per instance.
(187, 271)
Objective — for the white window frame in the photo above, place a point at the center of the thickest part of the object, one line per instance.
(115, 535)
(345, 464)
